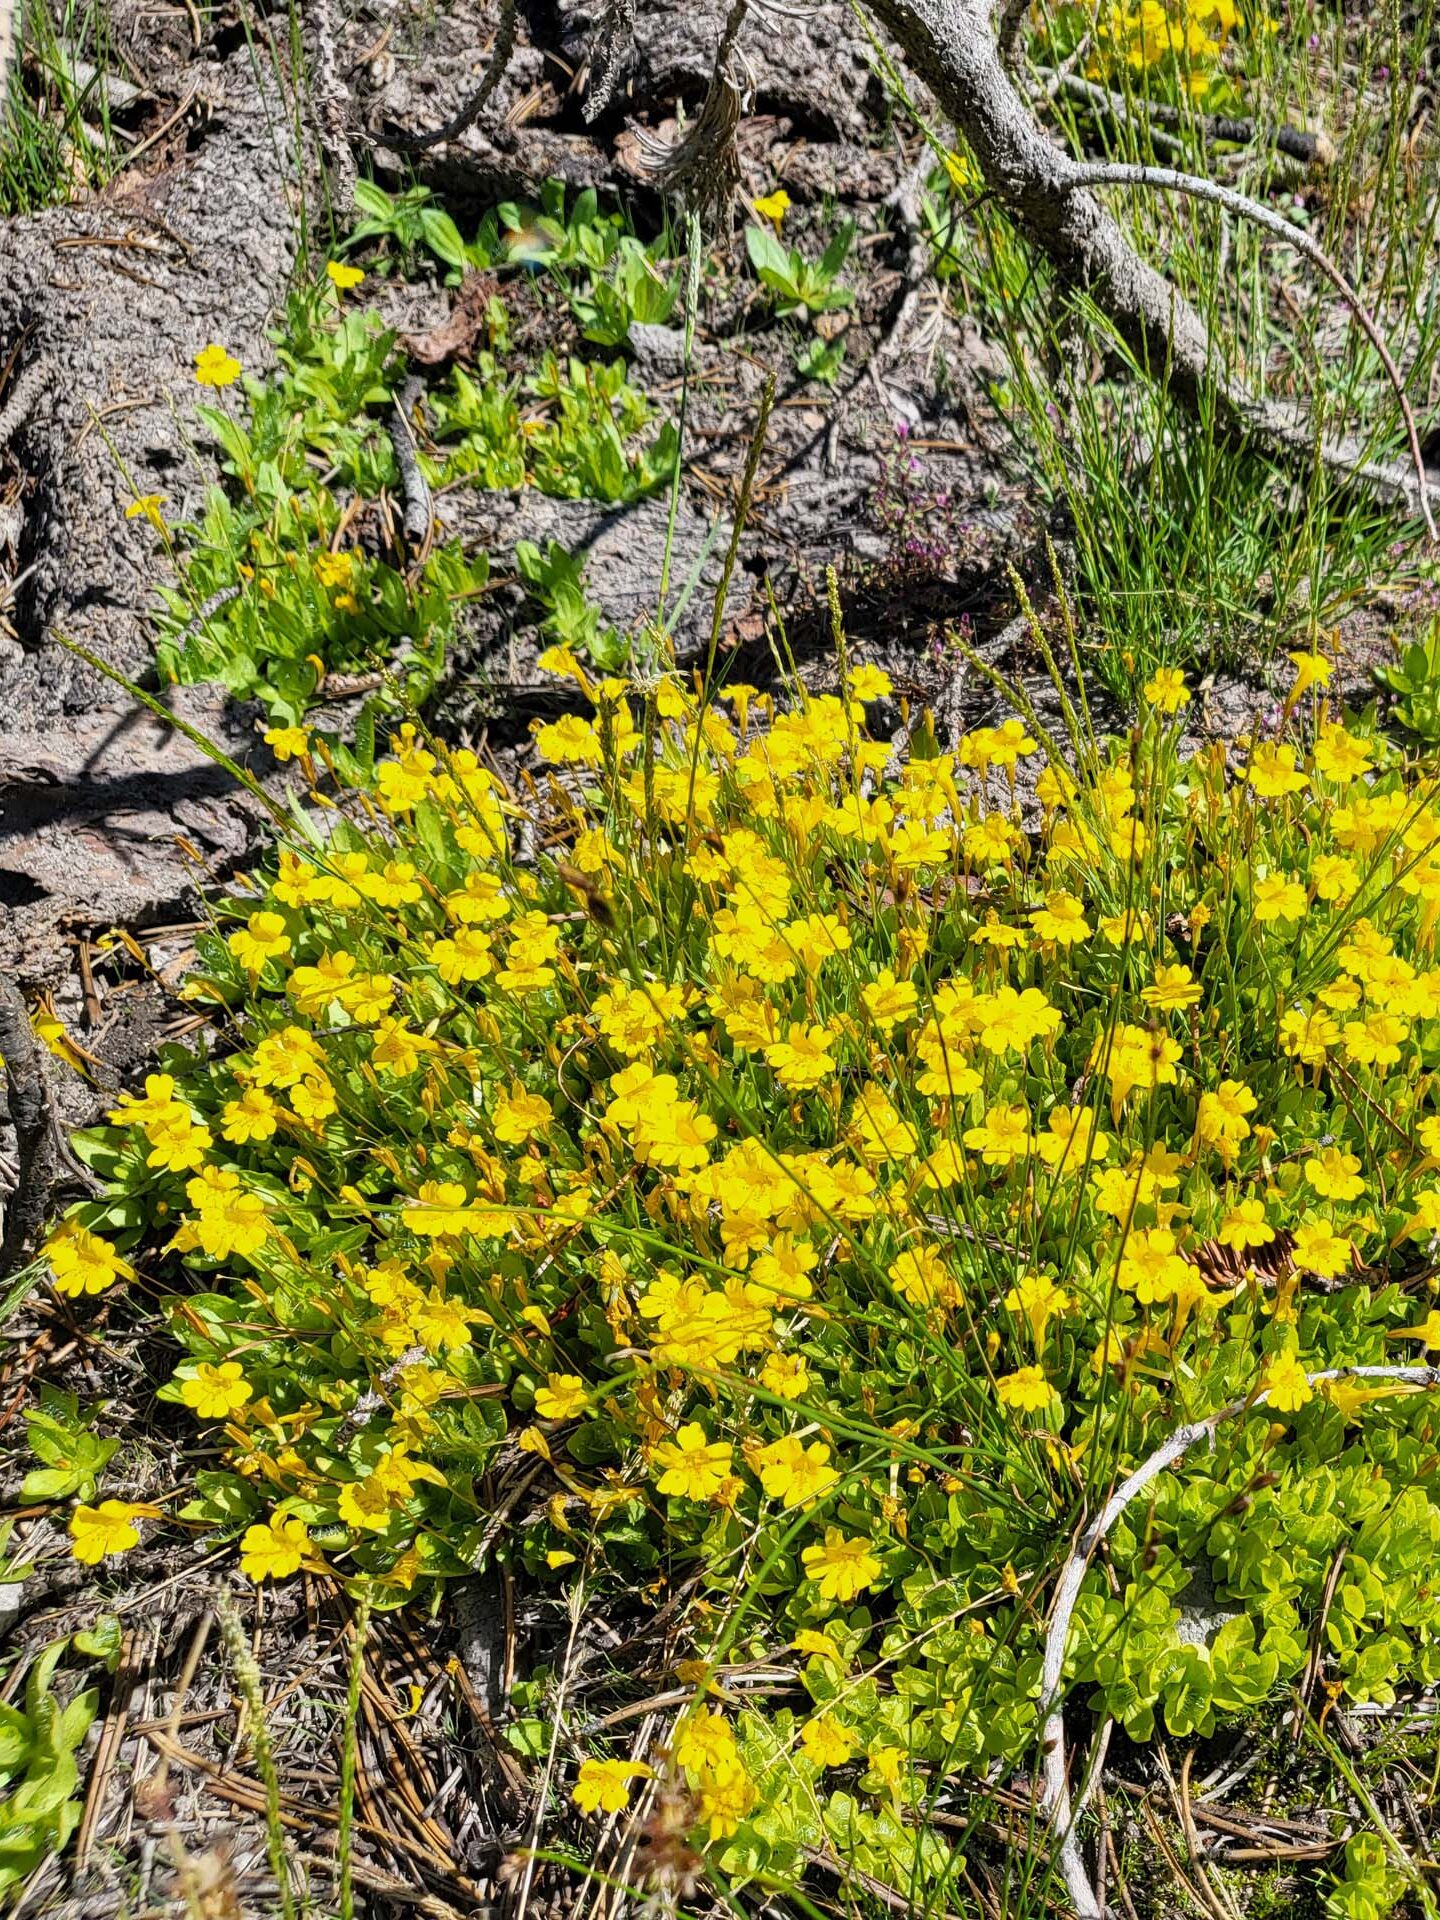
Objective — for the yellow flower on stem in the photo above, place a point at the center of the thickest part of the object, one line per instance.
(773, 207)
(1284, 1383)
(1166, 689)
(146, 506)
(98, 1533)
(1026, 1390)
(603, 1786)
(562, 1397)
(342, 276)
(842, 1568)
(274, 1549)
(826, 1741)
(214, 367)
(214, 1393)
(695, 1466)
(288, 743)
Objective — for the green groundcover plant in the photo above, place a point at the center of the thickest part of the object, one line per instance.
(808, 1181)
(294, 573)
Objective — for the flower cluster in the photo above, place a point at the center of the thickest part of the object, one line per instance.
(828, 1176)
(1183, 38)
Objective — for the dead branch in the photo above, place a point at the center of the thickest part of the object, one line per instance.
(704, 166)
(1169, 180)
(950, 46)
(501, 56)
(610, 46)
(332, 104)
(29, 1097)
(419, 510)
(1055, 1800)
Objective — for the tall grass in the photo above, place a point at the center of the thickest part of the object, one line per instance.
(1189, 549)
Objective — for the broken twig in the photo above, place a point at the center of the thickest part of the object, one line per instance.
(419, 510)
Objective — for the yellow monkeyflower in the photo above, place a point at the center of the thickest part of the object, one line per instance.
(274, 1549)
(603, 1786)
(1026, 1390)
(214, 367)
(1284, 1383)
(842, 1568)
(793, 1473)
(1172, 989)
(1166, 689)
(773, 207)
(98, 1533)
(82, 1262)
(214, 1393)
(827, 1741)
(262, 938)
(695, 1466)
(1311, 670)
(562, 1397)
(1335, 1174)
(287, 743)
(146, 506)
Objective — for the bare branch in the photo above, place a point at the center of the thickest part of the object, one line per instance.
(1056, 1797)
(1169, 180)
(949, 45)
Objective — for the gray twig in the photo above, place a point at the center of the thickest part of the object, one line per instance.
(610, 45)
(213, 604)
(332, 100)
(1055, 1800)
(28, 1092)
(419, 512)
(500, 58)
(1170, 180)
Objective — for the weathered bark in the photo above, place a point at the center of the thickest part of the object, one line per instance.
(29, 1102)
(108, 302)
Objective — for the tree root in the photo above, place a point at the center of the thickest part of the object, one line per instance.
(1055, 1800)
(30, 1115)
(950, 46)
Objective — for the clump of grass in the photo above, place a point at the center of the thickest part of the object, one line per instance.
(58, 141)
(1188, 549)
